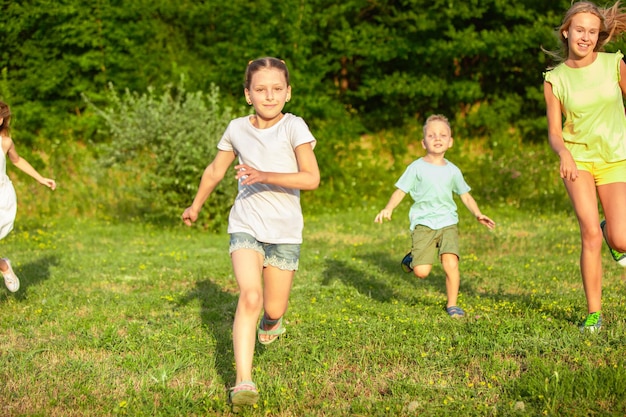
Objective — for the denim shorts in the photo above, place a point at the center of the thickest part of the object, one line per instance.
(283, 256)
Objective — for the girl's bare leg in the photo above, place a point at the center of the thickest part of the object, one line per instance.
(248, 268)
(613, 200)
(582, 193)
(276, 289)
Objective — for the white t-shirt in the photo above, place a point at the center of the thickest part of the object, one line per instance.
(270, 213)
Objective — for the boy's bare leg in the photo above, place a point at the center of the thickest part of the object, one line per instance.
(450, 263)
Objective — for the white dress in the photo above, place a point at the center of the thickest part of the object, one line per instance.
(8, 199)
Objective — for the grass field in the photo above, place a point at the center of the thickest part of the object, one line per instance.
(129, 319)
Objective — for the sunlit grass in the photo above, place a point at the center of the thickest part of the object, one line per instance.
(135, 320)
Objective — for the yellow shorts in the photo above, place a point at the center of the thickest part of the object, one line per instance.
(605, 172)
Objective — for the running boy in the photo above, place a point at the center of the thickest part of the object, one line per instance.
(430, 181)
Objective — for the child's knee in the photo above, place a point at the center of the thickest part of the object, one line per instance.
(450, 262)
(422, 271)
(251, 299)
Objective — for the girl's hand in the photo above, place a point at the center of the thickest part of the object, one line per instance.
(486, 221)
(568, 169)
(249, 175)
(189, 216)
(384, 214)
(50, 183)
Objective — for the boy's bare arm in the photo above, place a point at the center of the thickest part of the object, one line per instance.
(395, 199)
(471, 205)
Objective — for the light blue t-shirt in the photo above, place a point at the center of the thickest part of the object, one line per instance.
(431, 187)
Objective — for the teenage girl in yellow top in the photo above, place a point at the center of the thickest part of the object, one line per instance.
(587, 87)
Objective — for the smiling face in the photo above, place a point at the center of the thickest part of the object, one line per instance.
(582, 36)
(268, 93)
(437, 137)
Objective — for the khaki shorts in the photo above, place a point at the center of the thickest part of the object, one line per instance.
(605, 172)
(428, 243)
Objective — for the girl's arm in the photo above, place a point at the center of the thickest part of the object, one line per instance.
(471, 205)
(212, 175)
(622, 76)
(568, 169)
(307, 177)
(24, 166)
(394, 200)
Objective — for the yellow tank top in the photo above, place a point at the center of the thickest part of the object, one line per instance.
(595, 123)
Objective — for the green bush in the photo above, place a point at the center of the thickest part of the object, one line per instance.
(163, 142)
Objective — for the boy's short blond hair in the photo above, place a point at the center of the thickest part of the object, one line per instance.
(437, 118)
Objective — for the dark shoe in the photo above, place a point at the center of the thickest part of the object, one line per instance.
(406, 262)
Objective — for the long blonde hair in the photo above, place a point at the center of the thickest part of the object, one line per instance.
(612, 25)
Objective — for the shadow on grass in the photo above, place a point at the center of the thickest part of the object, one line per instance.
(380, 277)
(392, 285)
(217, 312)
(33, 273)
(365, 283)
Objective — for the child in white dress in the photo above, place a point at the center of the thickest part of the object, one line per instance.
(8, 200)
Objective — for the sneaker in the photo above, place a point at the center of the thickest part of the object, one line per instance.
(619, 257)
(455, 312)
(406, 262)
(592, 323)
(10, 279)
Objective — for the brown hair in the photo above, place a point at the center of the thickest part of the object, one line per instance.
(261, 63)
(612, 25)
(5, 114)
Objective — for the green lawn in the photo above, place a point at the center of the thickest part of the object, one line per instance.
(129, 319)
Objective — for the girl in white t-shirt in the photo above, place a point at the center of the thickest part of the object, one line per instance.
(8, 200)
(275, 161)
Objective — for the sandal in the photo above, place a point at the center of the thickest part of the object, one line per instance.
(10, 279)
(244, 393)
(455, 311)
(274, 333)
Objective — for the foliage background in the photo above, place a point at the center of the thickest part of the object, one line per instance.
(365, 75)
(119, 317)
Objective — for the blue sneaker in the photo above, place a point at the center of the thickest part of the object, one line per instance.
(406, 262)
(592, 323)
(619, 257)
(455, 312)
